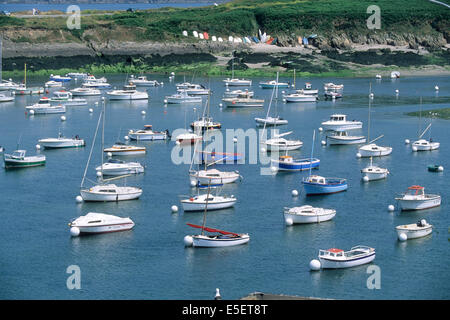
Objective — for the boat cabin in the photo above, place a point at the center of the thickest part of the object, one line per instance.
(333, 252)
(62, 95)
(307, 85)
(316, 179)
(286, 159)
(18, 154)
(415, 191)
(338, 117)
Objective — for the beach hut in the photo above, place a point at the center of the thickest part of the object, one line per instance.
(214, 38)
(195, 33)
(206, 35)
(185, 33)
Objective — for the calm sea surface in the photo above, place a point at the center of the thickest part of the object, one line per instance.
(151, 262)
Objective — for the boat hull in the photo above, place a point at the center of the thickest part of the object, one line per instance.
(200, 206)
(409, 205)
(428, 147)
(209, 242)
(300, 165)
(85, 230)
(12, 163)
(334, 264)
(377, 152)
(62, 144)
(298, 218)
(414, 234)
(206, 180)
(344, 141)
(318, 189)
(147, 137)
(88, 195)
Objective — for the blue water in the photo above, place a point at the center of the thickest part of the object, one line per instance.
(17, 7)
(151, 262)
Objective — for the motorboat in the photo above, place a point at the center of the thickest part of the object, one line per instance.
(332, 86)
(91, 78)
(213, 157)
(300, 97)
(435, 168)
(182, 97)
(94, 223)
(205, 123)
(339, 122)
(53, 84)
(273, 84)
(62, 142)
(44, 107)
(121, 149)
(77, 75)
(373, 172)
(115, 167)
(18, 159)
(208, 201)
(307, 214)
(332, 95)
(342, 137)
(414, 230)
(425, 145)
(127, 95)
(85, 92)
(142, 81)
(278, 143)
(237, 82)
(213, 177)
(59, 78)
(96, 85)
(8, 85)
(193, 89)
(243, 102)
(216, 238)
(24, 90)
(188, 138)
(415, 198)
(147, 133)
(110, 192)
(395, 74)
(238, 93)
(5, 98)
(271, 121)
(338, 258)
(316, 185)
(378, 77)
(308, 90)
(288, 163)
(65, 98)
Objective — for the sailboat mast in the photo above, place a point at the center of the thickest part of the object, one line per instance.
(312, 152)
(25, 76)
(368, 125)
(294, 78)
(276, 86)
(206, 206)
(103, 137)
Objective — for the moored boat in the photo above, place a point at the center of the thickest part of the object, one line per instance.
(115, 167)
(121, 149)
(415, 198)
(307, 214)
(127, 95)
(217, 238)
(242, 102)
(94, 223)
(62, 142)
(287, 163)
(338, 259)
(207, 202)
(110, 192)
(18, 159)
(339, 122)
(273, 84)
(343, 138)
(414, 230)
(147, 133)
(85, 92)
(317, 185)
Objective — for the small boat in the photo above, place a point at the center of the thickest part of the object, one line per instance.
(44, 107)
(308, 90)
(273, 84)
(332, 95)
(65, 98)
(59, 78)
(116, 167)
(53, 84)
(342, 138)
(378, 77)
(188, 138)
(23, 90)
(219, 238)
(277, 143)
(213, 176)
(142, 81)
(374, 150)
(316, 185)
(77, 75)
(415, 198)
(300, 97)
(193, 89)
(425, 145)
(238, 94)
(85, 92)
(414, 230)
(395, 74)
(110, 192)
(147, 133)
(373, 172)
(5, 98)
(337, 258)
(91, 78)
(18, 159)
(8, 85)
(121, 149)
(62, 142)
(219, 157)
(307, 214)
(243, 102)
(205, 123)
(94, 223)
(237, 82)
(96, 85)
(207, 202)
(271, 121)
(332, 86)
(127, 95)
(287, 163)
(339, 122)
(435, 168)
(182, 97)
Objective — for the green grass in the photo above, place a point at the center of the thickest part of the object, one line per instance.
(435, 113)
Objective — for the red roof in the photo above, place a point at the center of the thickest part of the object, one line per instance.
(415, 188)
(335, 250)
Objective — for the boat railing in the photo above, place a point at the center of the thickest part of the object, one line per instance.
(361, 247)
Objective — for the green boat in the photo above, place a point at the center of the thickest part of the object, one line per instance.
(435, 168)
(18, 160)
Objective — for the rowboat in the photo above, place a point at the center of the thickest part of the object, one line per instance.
(415, 198)
(287, 163)
(94, 223)
(414, 230)
(337, 258)
(18, 159)
(307, 214)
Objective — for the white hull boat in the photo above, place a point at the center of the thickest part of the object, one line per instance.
(39, 108)
(65, 98)
(213, 176)
(142, 81)
(200, 202)
(125, 150)
(126, 95)
(338, 259)
(300, 97)
(243, 102)
(94, 223)
(116, 167)
(238, 94)
(61, 142)
(425, 145)
(183, 97)
(342, 138)
(416, 199)
(5, 98)
(414, 230)
(307, 214)
(339, 122)
(8, 85)
(217, 241)
(53, 84)
(372, 172)
(271, 121)
(110, 192)
(85, 92)
(281, 144)
(148, 134)
(237, 82)
(373, 150)
(188, 138)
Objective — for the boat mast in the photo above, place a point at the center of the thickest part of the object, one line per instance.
(206, 206)
(25, 76)
(294, 78)
(368, 125)
(103, 138)
(312, 151)
(268, 110)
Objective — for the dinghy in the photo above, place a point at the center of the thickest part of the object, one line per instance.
(414, 230)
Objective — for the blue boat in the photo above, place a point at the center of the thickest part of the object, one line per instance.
(287, 163)
(60, 78)
(315, 185)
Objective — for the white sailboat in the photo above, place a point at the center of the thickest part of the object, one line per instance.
(423, 144)
(235, 81)
(373, 172)
(102, 191)
(272, 121)
(307, 214)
